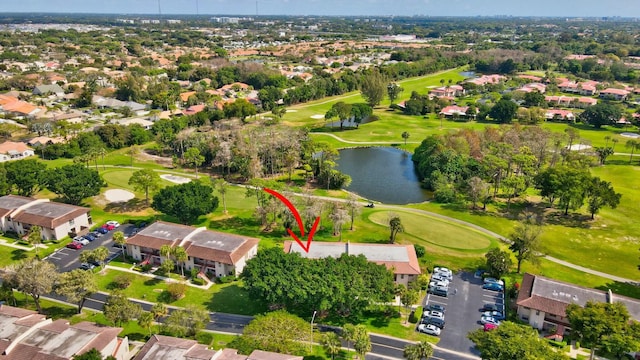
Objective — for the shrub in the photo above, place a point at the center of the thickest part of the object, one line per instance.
(204, 338)
(420, 250)
(176, 290)
(415, 315)
(122, 281)
(226, 279)
(558, 344)
(146, 267)
(194, 273)
(197, 281)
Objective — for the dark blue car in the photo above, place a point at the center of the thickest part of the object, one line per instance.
(492, 287)
(90, 237)
(102, 230)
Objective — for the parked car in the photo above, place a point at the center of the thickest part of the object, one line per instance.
(74, 245)
(440, 278)
(96, 233)
(429, 329)
(434, 321)
(440, 291)
(492, 287)
(435, 314)
(102, 230)
(443, 271)
(114, 223)
(491, 280)
(489, 307)
(109, 227)
(436, 307)
(495, 314)
(86, 266)
(489, 320)
(489, 327)
(434, 284)
(90, 237)
(81, 240)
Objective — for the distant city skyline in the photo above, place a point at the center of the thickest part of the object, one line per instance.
(551, 8)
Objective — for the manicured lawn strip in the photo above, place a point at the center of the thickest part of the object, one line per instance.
(436, 231)
(230, 297)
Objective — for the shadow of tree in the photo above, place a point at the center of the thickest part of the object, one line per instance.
(153, 282)
(19, 254)
(621, 288)
(235, 299)
(126, 206)
(137, 337)
(58, 312)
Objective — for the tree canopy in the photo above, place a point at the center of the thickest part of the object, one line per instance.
(26, 176)
(277, 331)
(145, 180)
(76, 286)
(504, 111)
(342, 286)
(186, 202)
(601, 114)
(373, 87)
(74, 183)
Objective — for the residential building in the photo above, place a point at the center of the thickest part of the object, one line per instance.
(401, 259)
(558, 114)
(542, 302)
(45, 90)
(18, 214)
(527, 88)
(614, 94)
(102, 102)
(25, 334)
(166, 347)
(587, 88)
(447, 91)
(44, 140)
(455, 111)
(10, 150)
(487, 79)
(210, 252)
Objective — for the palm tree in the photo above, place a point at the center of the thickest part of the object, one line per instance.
(633, 145)
(221, 185)
(101, 152)
(331, 343)
(145, 320)
(419, 351)
(395, 226)
(159, 310)
(119, 239)
(614, 141)
(35, 237)
(132, 152)
(180, 254)
(405, 136)
(348, 334)
(166, 251)
(100, 255)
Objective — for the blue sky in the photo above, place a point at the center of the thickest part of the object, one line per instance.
(627, 8)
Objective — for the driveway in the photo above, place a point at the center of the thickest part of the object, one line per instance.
(66, 259)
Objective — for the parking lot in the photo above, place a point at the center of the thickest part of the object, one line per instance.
(463, 303)
(66, 259)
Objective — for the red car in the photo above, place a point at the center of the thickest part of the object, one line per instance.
(108, 226)
(74, 245)
(489, 327)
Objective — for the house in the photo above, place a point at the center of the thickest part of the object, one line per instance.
(146, 124)
(530, 77)
(455, 111)
(167, 347)
(44, 140)
(558, 114)
(20, 108)
(527, 88)
(103, 102)
(401, 259)
(213, 252)
(25, 334)
(184, 97)
(45, 90)
(587, 88)
(10, 150)
(18, 214)
(447, 91)
(194, 109)
(487, 79)
(615, 94)
(542, 302)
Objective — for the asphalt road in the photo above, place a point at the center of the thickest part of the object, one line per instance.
(66, 259)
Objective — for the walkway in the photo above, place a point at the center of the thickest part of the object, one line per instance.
(153, 276)
(365, 142)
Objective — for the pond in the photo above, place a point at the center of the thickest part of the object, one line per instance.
(382, 174)
(468, 74)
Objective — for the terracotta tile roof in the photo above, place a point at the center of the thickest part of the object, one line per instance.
(105, 335)
(50, 214)
(27, 352)
(15, 311)
(7, 146)
(230, 354)
(167, 347)
(268, 355)
(186, 95)
(615, 92)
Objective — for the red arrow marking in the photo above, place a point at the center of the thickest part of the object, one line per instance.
(296, 215)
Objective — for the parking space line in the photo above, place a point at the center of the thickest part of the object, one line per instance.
(437, 302)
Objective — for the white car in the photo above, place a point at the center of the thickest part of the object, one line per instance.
(81, 240)
(489, 320)
(114, 223)
(429, 329)
(443, 271)
(490, 280)
(436, 314)
(435, 284)
(439, 277)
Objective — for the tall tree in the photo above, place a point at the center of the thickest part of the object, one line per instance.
(498, 262)
(393, 91)
(145, 180)
(35, 237)
(513, 341)
(221, 186)
(418, 351)
(601, 114)
(76, 286)
(373, 87)
(600, 324)
(186, 322)
(119, 310)
(503, 111)
(145, 320)
(278, 331)
(633, 145)
(180, 254)
(120, 240)
(405, 136)
(26, 176)
(100, 254)
(476, 189)
(395, 227)
(74, 183)
(603, 153)
(600, 193)
(408, 297)
(34, 278)
(362, 341)
(353, 207)
(186, 202)
(193, 158)
(525, 241)
(331, 343)
(348, 334)
(341, 110)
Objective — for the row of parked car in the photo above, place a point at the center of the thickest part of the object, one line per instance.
(440, 280)
(492, 314)
(80, 241)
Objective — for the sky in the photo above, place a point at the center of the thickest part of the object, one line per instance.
(562, 8)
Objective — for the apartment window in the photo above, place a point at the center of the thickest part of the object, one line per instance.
(72, 222)
(402, 276)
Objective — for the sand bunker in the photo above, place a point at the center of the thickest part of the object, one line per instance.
(118, 195)
(630, 135)
(290, 111)
(317, 116)
(578, 147)
(175, 178)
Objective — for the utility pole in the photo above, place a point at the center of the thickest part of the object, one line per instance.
(311, 333)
